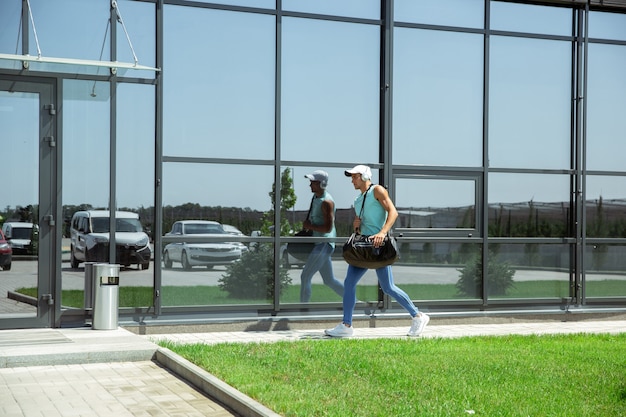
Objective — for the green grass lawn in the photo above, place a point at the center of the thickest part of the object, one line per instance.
(212, 295)
(565, 375)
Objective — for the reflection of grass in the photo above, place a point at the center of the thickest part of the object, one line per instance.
(563, 375)
(211, 295)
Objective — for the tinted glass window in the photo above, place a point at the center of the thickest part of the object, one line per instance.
(219, 84)
(330, 94)
(531, 18)
(606, 125)
(352, 8)
(437, 98)
(529, 103)
(463, 13)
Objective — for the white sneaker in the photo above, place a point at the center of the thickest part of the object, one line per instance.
(341, 330)
(417, 326)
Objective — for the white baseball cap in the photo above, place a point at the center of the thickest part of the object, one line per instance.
(364, 170)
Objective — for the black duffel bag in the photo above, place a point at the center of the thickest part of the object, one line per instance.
(302, 250)
(359, 251)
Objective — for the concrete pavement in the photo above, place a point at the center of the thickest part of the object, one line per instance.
(85, 372)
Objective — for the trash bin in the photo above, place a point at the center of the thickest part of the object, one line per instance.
(106, 296)
(89, 281)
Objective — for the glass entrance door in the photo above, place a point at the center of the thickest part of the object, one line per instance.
(27, 190)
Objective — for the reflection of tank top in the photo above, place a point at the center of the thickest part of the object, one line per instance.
(374, 215)
(317, 216)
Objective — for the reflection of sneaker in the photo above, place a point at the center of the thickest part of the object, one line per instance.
(419, 322)
(340, 331)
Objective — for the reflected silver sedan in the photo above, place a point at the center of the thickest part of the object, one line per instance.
(195, 252)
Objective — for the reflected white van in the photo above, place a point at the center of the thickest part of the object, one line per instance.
(20, 236)
(89, 235)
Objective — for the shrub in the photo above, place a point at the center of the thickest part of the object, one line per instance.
(499, 277)
(252, 276)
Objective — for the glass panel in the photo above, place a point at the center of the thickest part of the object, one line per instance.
(215, 105)
(604, 270)
(529, 103)
(10, 64)
(607, 26)
(10, 35)
(531, 18)
(606, 104)
(267, 4)
(135, 146)
(437, 98)
(434, 270)
(427, 202)
(367, 9)
(342, 193)
(213, 185)
(204, 264)
(330, 93)
(529, 205)
(135, 174)
(215, 265)
(86, 150)
(462, 13)
(139, 19)
(529, 270)
(326, 282)
(605, 203)
(86, 143)
(62, 35)
(19, 201)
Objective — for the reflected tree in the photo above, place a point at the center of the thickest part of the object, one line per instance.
(252, 277)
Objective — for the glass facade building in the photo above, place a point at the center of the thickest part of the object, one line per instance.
(495, 125)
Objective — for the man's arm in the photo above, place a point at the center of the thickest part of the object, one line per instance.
(383, 198)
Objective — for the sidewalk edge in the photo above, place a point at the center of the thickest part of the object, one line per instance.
(211, 386)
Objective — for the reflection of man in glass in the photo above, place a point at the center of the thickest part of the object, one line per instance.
(321, 221)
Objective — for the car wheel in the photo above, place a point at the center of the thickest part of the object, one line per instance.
(185, 262)
(145, 266)
(7, 267)
(73, 261)
(167, 261)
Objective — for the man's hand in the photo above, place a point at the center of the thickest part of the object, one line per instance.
(378, 239)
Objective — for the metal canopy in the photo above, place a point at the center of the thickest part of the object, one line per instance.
(49, 60)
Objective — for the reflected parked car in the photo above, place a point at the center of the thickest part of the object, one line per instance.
(20, 236)
(6, 253)
(197, 253)
(232, 230)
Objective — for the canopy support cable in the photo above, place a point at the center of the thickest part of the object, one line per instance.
(119, 19)
(32, 22)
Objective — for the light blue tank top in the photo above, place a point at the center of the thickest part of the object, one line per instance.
(374, 215)
(317, 216)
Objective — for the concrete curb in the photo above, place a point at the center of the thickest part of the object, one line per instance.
(211, 386)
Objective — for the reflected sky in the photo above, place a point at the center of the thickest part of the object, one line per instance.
(219, 87)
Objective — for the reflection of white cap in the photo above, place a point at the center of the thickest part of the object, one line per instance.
(365, 171)
(319, 175)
